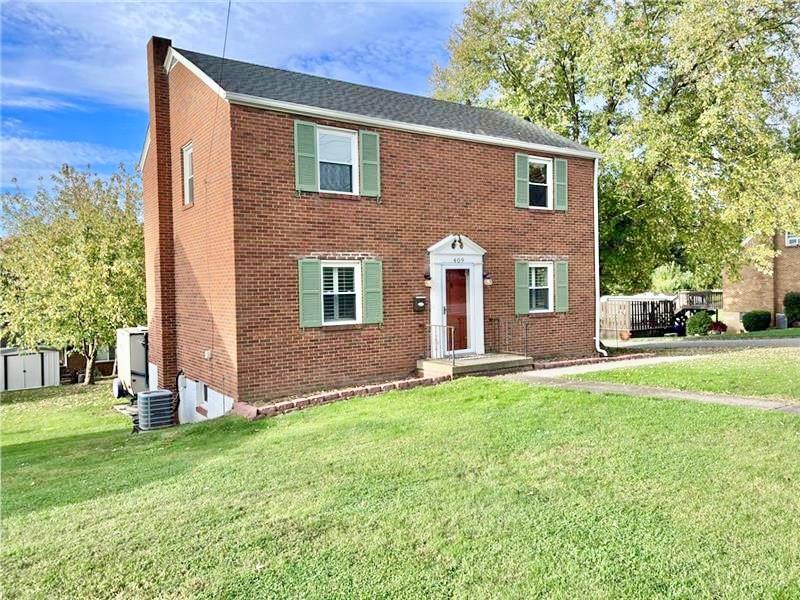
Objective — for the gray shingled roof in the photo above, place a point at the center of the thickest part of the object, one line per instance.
(310, 90)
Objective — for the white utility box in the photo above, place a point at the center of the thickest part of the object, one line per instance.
(132, 360)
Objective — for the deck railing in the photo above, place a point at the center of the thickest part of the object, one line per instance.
(697, 299)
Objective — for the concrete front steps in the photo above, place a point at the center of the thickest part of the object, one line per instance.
(482, 364)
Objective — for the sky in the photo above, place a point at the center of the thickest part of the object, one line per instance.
(74, 81)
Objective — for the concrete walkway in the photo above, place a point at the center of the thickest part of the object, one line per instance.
(556, 378)
(704, 342)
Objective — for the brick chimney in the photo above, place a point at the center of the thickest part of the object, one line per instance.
(158, 234)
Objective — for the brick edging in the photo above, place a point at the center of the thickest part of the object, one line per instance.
(555, 364)
(251, 413)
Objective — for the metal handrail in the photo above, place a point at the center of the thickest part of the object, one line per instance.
(442, 339)
(508, 335)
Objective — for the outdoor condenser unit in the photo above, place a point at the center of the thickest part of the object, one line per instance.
(131, 361)
(155, 409)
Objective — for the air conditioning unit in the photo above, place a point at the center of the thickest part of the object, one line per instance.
(155, 409)
(131, 362)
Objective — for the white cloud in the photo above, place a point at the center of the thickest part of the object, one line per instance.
(97, 51)
(27, 159)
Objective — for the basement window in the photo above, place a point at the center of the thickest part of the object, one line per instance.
(540, 287)
(341, 292)
(338, 160)
(187, 167)
(540, 183)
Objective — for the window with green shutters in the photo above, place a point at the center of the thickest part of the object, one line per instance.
(540, 183)
(340, 292)
(541, 287)
(334, 160)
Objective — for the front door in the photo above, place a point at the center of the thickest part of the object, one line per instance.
(456, 286)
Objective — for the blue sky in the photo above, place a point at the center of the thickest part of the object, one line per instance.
(73, 74)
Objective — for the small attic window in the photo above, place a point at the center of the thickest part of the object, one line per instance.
(187, 167)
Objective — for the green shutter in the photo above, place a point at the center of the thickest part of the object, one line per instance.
(521, 196)
(369, 148)
(562, 286)
(310, 285)
(372, 288)
(522, 299)
(561, 184)
(305, 156)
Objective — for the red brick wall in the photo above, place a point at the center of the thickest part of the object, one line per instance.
(787, 271)
(431, 187)
(755, 290)
(203, 234)
(157, 201)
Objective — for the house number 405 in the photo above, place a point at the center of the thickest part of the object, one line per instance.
(458, 259)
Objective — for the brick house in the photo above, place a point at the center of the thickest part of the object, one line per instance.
(754, 290)
(304, 234)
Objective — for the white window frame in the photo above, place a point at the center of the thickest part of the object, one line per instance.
(353, 135)
(548, 162)
(104, 354)
(792, 240)
(356, 265)
(550, 286)
(186, 175)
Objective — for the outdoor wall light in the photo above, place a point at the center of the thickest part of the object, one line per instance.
(487, 279)
(428, 280)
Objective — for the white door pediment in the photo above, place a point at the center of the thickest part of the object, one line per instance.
(452, 244)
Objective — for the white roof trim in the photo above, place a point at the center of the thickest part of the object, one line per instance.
(336, 115)
(174, 57)
(145, 149)
(445, 246)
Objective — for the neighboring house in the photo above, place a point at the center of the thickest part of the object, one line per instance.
(73, 363)
(303, 233)
(754, 290)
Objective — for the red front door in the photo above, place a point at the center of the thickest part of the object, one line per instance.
(456, 305)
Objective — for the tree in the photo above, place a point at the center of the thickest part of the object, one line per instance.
(689, 101)
(670, 278)
(72, 263)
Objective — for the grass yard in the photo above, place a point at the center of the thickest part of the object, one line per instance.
(767, 372)
(790, 332)
(474, 489)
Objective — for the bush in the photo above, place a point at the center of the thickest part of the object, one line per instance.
(718, 327)
(756, 320)
(699, 323)
(791, 307)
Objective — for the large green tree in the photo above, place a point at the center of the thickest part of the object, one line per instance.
(72, 262)
(690, 102)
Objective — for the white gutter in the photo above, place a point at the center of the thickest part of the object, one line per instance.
(597, 261)
(173, 57)
(145, 149)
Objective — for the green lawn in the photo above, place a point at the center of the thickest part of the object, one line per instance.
(473, 489)
(768, 372)
(767, 333)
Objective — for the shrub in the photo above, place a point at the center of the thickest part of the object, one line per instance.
(791, 307)
(756, 320)
(699, 323)
(718, 327)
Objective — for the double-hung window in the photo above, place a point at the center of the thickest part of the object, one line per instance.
(187, 164)
(338, 160)
(540, 286)
(792, 240)
(540, 182)
(341, 292)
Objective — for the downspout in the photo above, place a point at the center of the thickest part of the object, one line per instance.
(597, 345)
